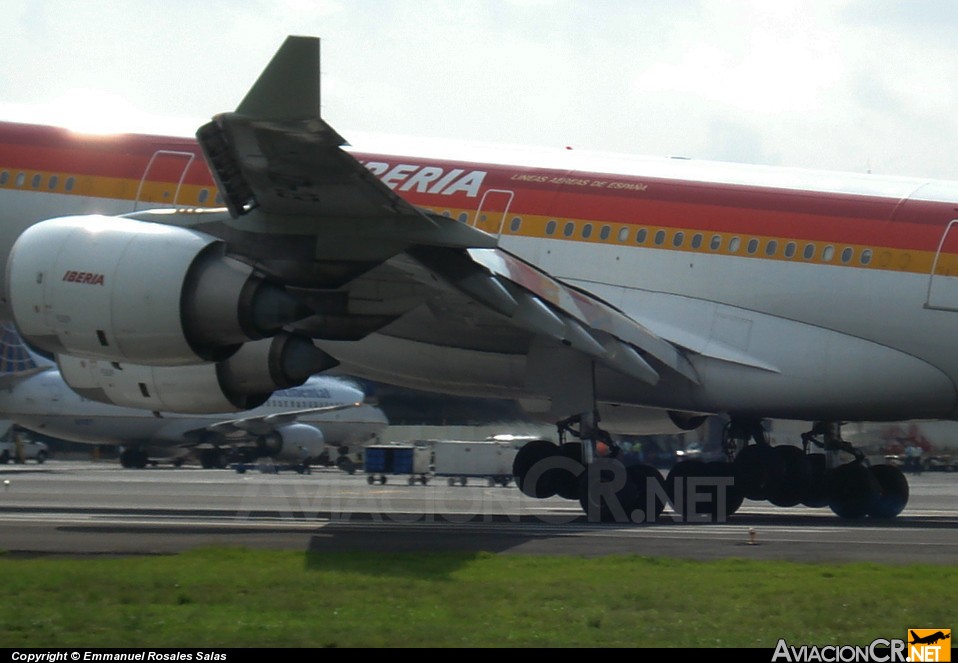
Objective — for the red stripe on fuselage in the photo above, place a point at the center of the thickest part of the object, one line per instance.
(879, 221)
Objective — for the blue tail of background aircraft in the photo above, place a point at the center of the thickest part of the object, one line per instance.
(15, 357)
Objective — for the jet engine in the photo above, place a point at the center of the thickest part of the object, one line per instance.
(292, 443)
(241, 382)
(131, 291)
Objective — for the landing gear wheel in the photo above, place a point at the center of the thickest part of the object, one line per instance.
(540, 483)
(606, 493)
(649, 488)
(752, 469)
(701, 501)
(725, 472)
(892, 491)
(789, 476)
(211, 459)
(567, 482)
(133, 459)
(817, 494)
(852, 490)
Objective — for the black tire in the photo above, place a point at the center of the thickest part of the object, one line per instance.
(595, 484)
(650, 487)
(676, 485)
(567, 482)
(789, 476)
(4, 457)
(41, 457)
(852, 490)
(706, 501)
(733, 496)
(752, 469)
(817, 494)
(541, 483)
(892, 491)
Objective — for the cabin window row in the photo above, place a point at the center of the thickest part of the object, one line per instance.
(753, 246)
(52, 183)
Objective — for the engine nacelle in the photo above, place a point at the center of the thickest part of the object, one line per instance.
(292, 443)
(131, 291)
(241, 382)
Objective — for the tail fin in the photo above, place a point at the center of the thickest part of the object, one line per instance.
(16, 358)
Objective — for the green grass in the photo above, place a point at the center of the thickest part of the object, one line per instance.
(229, 597)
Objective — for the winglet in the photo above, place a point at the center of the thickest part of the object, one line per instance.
(288, 89)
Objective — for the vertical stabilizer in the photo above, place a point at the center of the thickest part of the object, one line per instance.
(15, 357)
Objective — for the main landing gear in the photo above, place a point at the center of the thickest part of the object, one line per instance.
(591, 471)
(787, 475)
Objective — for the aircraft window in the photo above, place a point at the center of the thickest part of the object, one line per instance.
(847, 254)
(516, 223)
(4, 176)
(752, 246)
(605, 232)
(35, 182)
(623, 234)
(866, 256)
(587, 231)
(659, 237)
(678, 240)
(809, 252)
(204, 195)
(446, 213)
(568, 229)
(716, 243)
(219, 198)
(70, 182)
(641, 236)
(790, 249)
(551, 227)
(21, 178)
(52, 184)
(734, 245)
(771, 248)
(463, 217)
(828, 253)
(697, 241)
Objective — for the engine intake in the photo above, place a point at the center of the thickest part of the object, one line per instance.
(132, 291)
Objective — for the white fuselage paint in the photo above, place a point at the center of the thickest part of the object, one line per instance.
(776, 338)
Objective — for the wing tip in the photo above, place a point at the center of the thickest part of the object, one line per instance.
(288, 88)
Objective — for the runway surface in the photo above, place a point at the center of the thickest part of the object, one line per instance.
(84, 508)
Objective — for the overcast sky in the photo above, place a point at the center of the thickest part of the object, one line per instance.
(844, 85)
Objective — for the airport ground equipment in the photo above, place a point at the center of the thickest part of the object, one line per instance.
(381, 460)
(460, 461)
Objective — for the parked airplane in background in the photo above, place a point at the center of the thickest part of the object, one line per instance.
(294, 425)
(605, 293)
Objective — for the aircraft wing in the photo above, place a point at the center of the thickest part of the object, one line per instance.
(243, 427)
(406, 272)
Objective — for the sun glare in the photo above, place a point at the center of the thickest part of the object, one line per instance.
(95, 112)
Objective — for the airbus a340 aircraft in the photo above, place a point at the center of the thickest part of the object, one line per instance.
(606, 293)
(294, 425)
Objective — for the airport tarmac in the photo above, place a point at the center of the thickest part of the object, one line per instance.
(86, 508)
